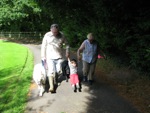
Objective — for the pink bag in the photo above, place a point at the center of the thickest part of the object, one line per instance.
(99, 56)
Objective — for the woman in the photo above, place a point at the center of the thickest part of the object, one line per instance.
(90, 50)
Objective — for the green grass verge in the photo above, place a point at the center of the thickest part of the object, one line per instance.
(16, 68)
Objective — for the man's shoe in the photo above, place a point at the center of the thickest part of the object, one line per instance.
(51, 90)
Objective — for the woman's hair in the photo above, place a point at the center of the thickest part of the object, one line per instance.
(89, 34)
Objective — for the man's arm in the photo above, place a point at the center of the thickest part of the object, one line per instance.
(43, 48)
(67, 50)
(67, 47)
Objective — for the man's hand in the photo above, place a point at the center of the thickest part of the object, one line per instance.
(44, 63)
(43, 59)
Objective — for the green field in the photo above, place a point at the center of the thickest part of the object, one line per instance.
(16, 66)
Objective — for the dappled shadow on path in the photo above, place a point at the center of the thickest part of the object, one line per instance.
(96, 98)
(104, 99)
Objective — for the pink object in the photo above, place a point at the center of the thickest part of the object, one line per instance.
(74, 79)
(99, 56)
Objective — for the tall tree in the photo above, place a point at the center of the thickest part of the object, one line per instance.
(12, 12)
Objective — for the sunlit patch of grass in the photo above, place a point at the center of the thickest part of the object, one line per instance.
(15, 75)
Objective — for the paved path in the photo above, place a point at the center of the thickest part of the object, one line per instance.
(98, 98)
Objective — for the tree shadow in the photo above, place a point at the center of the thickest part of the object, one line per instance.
(104, 99)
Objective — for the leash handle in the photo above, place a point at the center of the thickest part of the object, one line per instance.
(44, 64)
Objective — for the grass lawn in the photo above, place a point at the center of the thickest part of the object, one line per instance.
(16, 65)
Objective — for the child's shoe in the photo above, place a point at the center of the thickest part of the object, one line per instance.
(78, 87)
(73, 87)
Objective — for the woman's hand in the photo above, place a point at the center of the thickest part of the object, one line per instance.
(79, 58)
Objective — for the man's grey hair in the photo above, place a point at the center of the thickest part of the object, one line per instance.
(55, 25)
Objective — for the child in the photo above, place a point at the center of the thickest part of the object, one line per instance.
(74, 79)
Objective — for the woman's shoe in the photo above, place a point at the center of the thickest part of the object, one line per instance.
(84, 79)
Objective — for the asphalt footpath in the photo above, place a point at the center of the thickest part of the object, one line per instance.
(96, 98)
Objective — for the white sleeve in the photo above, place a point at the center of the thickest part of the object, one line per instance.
(43, 47)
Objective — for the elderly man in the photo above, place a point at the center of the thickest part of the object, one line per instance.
(51, 51)
(90, 50)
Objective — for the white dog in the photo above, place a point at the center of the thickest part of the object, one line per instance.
(39, 76)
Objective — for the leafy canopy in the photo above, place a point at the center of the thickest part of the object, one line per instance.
(12, 10)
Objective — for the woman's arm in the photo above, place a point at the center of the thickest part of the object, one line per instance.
(80, 50)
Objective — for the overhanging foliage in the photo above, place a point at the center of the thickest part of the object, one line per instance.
(121, 27)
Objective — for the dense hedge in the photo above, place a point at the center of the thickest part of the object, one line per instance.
(121, 26)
